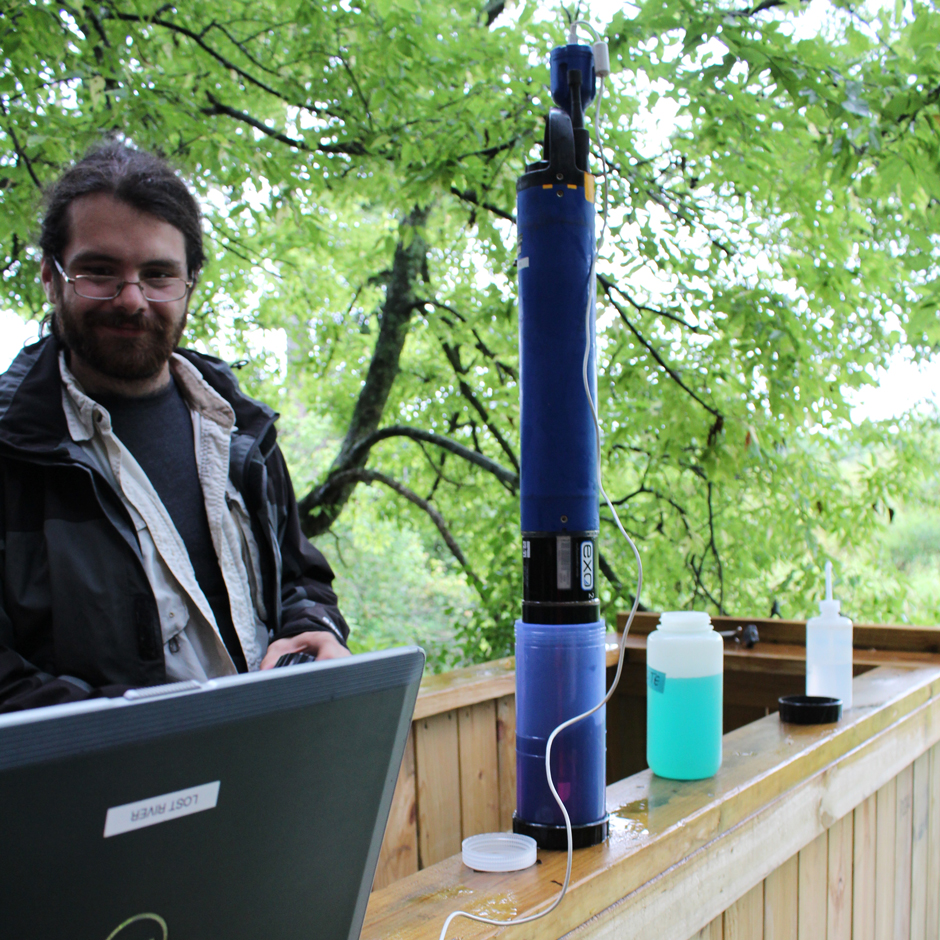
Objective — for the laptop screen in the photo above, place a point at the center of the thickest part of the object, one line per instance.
(249, 807)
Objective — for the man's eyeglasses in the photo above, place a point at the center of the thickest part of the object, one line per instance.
(157, 288)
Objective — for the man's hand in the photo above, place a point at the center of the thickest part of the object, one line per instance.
(321, 644)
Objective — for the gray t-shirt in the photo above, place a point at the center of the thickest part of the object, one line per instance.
(158, 430)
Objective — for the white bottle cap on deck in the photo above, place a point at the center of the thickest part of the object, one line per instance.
(499, 851)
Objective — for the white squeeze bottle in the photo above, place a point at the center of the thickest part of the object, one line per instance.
(829, 650)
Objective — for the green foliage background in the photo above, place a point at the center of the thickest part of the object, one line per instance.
(357, 160)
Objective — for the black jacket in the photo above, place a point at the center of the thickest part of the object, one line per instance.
(77, 614)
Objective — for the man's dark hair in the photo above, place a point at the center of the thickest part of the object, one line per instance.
(142, 180)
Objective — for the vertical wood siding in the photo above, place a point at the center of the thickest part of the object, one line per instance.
(873, 875)
(458, 779)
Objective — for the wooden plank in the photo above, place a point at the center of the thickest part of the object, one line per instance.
(920, 846)
(644, 623)
(437, 766)
(721, 868)
(813, 889)
(737, 716)
(712, 931)
(902, 854)
(790, 658)
(774, 630)
(506, 759)
(626, 719)
(744, 920)
(781, 893)
(764, 688)
(885, 847)
(479, 770)
(780, 658)
(399, 853)
(459, 688)
(694, 885)
(839, 910)
(863, 870)
(781, 651)
(681, 852)
(933, 852)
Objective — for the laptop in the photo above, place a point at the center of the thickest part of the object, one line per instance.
(250, 807)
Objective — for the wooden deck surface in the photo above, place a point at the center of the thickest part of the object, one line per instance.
(750, 853)
(460, 760)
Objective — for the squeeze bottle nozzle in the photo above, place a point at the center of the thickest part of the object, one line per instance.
(829, 607)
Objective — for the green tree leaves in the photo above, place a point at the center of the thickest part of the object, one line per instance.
(771, 242)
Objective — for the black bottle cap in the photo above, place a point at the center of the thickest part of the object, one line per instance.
(810, 709)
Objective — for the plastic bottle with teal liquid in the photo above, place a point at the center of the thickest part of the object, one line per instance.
(684, 680)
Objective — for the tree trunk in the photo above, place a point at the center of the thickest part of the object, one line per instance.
(321, 507)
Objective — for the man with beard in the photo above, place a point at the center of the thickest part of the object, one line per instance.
(148, 528)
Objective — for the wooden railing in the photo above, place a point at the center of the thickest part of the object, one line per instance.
(874, 873)
(458, 776)
(806, 833)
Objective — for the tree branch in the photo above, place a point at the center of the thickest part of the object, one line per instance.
(453, 357)
(469, 195)
(501, 367)
(438, 470)
(615, 581)
(354, 149)
(20, 153)
(361, 475)
(357, 88)
(239, 44)
(700, 585)
(657, 193)
(714, 548)
(658, 495)
(757, 8)
(199, 41)
(359, 452)
(490, 152)
(662, 362)
(609, 285)
(440, 306)
(492, 9)
(14, 254)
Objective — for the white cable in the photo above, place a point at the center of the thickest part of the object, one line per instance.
(573, 31)
(639, 581)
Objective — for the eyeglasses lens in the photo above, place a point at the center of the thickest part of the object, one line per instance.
(161, 290)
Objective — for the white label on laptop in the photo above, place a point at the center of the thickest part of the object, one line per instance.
(160, 809)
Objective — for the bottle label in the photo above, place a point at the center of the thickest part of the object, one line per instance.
(655, 679)
(563, 562)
